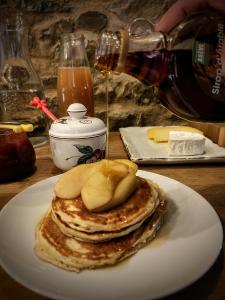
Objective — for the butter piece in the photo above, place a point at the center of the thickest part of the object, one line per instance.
(27, 127)
(185, 143)
(161, 134)
(18, 128)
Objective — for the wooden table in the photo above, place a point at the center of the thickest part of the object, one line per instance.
(208, 180)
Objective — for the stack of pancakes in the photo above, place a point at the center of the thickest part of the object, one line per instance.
(75, 238)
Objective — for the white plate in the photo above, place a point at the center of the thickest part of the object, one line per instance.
(187, 246)
(145, 151)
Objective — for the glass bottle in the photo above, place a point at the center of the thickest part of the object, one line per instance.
(187, 66)
(19, 82)
(74, 82)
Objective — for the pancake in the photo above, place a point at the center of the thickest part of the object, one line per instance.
(148, 196)
(74, 238)
(94, 237)
(74, 255)
(72, 216)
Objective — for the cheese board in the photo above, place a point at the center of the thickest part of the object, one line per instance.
(143, 150)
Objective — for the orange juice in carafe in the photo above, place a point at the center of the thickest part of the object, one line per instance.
(75, 85)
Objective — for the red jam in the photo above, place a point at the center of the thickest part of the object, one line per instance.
(17, 155)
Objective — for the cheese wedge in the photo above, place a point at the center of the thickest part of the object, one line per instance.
(161, 134)
(183, 143)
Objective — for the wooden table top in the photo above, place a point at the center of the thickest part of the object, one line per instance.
(207, 179)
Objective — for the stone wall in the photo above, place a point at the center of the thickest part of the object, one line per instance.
(131, 103)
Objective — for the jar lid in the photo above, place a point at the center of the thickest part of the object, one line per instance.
(77, 124)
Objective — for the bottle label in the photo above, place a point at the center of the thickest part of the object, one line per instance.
(208, 55)
(201, 53)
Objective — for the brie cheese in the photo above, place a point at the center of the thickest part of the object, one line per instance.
(185, 143)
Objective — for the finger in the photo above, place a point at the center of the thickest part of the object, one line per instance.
(178, 12)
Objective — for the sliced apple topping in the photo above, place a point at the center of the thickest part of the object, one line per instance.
(131, 165)
(123, 191)
(114, 170)
(97, 191)
(71, 182)
(102, 185)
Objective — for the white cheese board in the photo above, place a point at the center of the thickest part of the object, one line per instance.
(143, 150)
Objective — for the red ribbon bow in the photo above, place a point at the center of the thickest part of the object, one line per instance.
(41, 104)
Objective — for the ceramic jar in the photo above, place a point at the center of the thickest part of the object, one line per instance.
(77, 139)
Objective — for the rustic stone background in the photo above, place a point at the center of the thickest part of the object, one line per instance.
(131, 103)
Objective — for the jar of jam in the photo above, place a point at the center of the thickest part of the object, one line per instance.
(17, 155)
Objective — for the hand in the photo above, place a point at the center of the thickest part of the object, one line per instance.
(182, 8)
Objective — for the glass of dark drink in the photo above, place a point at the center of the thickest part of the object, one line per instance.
(17, 155)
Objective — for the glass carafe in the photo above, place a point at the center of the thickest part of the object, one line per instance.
(187, 66)
(74, 82)
(19, 82)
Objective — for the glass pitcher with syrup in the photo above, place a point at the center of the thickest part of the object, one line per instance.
(19, 82)
(187, 65)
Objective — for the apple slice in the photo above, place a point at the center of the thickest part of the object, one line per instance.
(114, 167)
(71, 182)
(131, 165)
(97, 191)
(115, 170)
(123, 191)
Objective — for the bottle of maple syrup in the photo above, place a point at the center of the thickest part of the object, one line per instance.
(187, 65)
